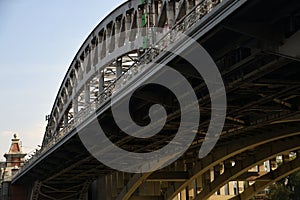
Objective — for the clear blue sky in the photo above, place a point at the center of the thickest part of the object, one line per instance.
(38, 40)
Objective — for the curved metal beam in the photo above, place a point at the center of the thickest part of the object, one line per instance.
(225, 152)
(119, 33)
(264, 152)
(97, 46)
(273, 176)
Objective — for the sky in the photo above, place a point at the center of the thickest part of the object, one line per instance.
(38, 41)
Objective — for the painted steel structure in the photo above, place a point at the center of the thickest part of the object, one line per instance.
(258, 58)
(104, 55)
(103, 64)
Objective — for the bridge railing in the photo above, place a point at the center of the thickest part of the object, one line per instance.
(172, 36)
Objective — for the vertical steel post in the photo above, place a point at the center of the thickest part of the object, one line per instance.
(119, 69)
(101, 82)
(87, 94)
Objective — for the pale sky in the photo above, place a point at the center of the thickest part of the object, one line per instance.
(38, 40)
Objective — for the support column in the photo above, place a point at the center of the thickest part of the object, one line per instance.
(108, 187)
(187, 193)
(118, 27)
(87, 94)
(66, 119)
(140, 20)
(120, 181)
(104, 188)
(237, 187)
(108, 38)
(95, 54)
(101, 187)
(128, 21)
(75, 106)
(171, 13)
(119, 69)
(101, 82)
(80, 71)
(190, 5)
(155, 12)
(92, 192)
(195, 187)
(114, 184)
(103, 46)
(88, 64)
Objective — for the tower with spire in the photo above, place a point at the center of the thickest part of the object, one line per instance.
(14, 160)
(15, 155)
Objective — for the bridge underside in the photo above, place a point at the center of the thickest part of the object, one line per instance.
(256, 51)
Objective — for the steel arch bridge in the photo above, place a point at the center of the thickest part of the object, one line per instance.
(255, 45)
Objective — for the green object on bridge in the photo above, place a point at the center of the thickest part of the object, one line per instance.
(145, 40)
(144, 24)
(144, 20)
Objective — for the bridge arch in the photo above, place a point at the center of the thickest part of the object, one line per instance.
(262, 153)
(119, 39)
(286, 169)
(217, 156)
